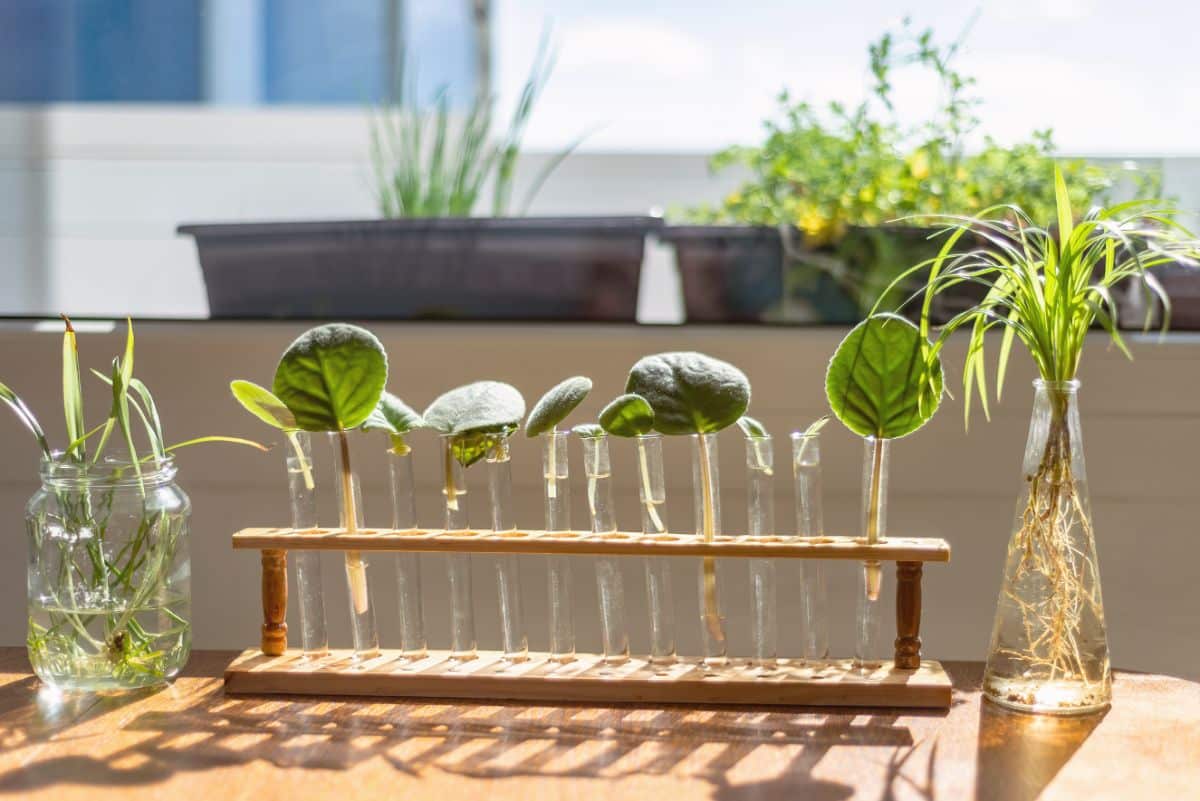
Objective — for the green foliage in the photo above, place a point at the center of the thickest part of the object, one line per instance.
(263, 404)
(72, 392)
(423, 170)
(752, 428)
(555, 405)
(628, 415)
(331, 377)
(882, 382)
(1047, 286)
(483, 406)
(690, 393)
(395, 417)
(588, 430)
(828, 172)
(26, 417)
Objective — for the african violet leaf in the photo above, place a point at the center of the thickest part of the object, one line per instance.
(588, 430)
(395, 417)
(555, 405)
(690, 393)
(331, 377)
(472, 446)
(628, 415)
(879, 383)
(752, 428)
(479, 407)
(263, 404)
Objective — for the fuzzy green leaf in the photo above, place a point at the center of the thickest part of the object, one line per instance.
(555, 405)
(588, 430)
(690, 393)
(395, 417)
(879, 384)
(263, 404)
(331, 377)
(484, 406)
(628, 415)
(752, 428)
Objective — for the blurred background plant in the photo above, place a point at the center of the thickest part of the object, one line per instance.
(428, 163)
(832, 173)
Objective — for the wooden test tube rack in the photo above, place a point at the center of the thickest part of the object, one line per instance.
(907, 681)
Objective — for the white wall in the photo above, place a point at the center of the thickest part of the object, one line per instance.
(1141, 423)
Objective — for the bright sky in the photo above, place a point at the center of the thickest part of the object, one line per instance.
(1110, 76)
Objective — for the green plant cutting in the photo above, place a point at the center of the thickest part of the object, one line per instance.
(331, 379)
(550, 410)
(475, 417)
(691, 393)
(630, 415)
(423, 170)
(883, 383)
(1046, 287)
(128, 577)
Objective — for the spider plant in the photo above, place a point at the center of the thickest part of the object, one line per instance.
(104, 547)
(422, 169)
(1046, 287)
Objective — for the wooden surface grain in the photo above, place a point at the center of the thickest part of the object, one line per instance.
(191, 741)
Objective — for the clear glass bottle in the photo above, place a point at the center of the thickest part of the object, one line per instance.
(706, 509)
(413, 645)
(363, 631)
(810, 522)
(871, 646)
(1049, 647)
(109, 575)
(598, 468)
(301, 473)
(508, 566)
(555, 477)
(652, 492)
(760, 511)
(458, 565)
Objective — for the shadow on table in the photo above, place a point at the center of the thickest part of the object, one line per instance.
(492, 741)
(1019, 754)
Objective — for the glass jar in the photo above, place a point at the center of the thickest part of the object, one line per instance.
(109, 575)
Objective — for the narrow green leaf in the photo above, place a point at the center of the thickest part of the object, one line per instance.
(263, 404)
(72, 392)
(26, 417)
(215, 438)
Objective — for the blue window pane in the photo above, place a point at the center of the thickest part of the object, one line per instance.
(325, 51)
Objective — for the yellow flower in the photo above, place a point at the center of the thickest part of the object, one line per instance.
(918, 165)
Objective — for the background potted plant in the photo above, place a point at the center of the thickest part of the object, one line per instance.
(1046, 286)
(428, 257)
(810, 237)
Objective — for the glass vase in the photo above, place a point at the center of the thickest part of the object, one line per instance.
(652, 492)
(301, 473)
(515, 641)
(108, 576)
(458, 565)
(413, 645)
(363, 631)
(760, 511)
(706, 512)
(555, 476)
(609, 585)
(871, 646)
(810, 522)
(1049, 647)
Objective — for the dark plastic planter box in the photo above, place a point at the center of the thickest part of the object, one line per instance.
(734, 273)
(584, 268)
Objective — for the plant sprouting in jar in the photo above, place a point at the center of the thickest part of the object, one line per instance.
(104, 545)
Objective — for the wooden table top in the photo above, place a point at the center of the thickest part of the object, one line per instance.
(191, 742)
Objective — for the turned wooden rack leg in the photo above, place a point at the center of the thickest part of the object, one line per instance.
(908, 615)
(274, 602)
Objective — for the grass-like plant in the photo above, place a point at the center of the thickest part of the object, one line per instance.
(1047, 287)
(130, 574)
(424, 169)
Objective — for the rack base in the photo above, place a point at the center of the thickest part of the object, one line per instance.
(587, 679)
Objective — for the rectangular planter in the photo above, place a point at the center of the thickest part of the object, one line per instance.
(584, 268)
